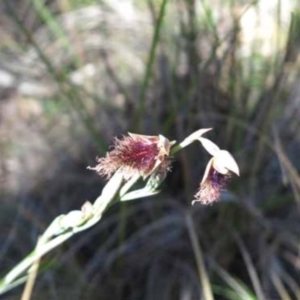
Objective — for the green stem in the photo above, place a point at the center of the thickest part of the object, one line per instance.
(54, 235)
(141, 106)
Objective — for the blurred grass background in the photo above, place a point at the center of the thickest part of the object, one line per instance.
(76, 73)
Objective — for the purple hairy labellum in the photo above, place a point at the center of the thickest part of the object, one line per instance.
(136, 154)
(210, 189)
(217, 173)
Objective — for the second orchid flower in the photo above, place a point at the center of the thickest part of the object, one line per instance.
(217, 173)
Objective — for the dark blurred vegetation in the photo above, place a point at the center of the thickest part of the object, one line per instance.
(76, 73)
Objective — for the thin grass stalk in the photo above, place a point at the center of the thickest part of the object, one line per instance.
(31, 279)
(250, 267)
(291, 282)
(208, 12)
(265, 109)
(68, 91)
(141, 104)
(226, 293)
(47, 17)
(241, 290)
(114, 77)
(280, 287)
(290, 172)
(203, 276)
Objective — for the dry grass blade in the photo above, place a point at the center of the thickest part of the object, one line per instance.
(293, 259)
(280, 287)
(32, 274)
(205, 282)
(289, 170)
(235, 284)
(251, 269)
(289, 280)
